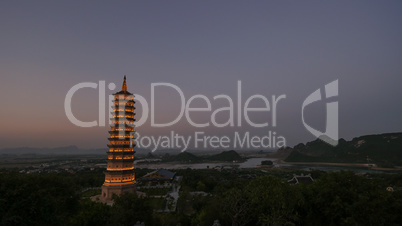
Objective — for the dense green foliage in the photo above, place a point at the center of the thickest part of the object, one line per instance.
(36, 199)
(335, 198)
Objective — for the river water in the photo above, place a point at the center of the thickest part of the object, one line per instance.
(250, 163)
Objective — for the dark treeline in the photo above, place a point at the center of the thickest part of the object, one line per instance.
(335, 198)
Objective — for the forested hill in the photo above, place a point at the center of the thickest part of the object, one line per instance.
(226, 156)
(383, 149)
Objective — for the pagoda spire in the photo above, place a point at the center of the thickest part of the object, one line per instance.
(124, 87)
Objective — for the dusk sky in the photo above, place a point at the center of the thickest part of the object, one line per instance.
(204, 47)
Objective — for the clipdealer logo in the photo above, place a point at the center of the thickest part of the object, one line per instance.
(199, 139)
(331, 134)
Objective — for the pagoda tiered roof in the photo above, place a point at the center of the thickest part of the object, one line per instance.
(119, 160)
(120, 145)
(119, 174)
(119, 171)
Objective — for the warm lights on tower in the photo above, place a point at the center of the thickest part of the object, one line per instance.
(119, 175)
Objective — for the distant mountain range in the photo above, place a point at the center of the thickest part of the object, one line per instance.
(74, 150)
(68, 150)
(382, 149)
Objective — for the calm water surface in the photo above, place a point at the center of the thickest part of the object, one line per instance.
(250, 163)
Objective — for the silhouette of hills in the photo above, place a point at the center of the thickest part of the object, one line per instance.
(67, 150)
(226, 156)
(382, 149)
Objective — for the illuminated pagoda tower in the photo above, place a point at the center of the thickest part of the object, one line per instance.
(119, 175)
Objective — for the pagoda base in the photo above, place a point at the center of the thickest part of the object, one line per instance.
(109, 190)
